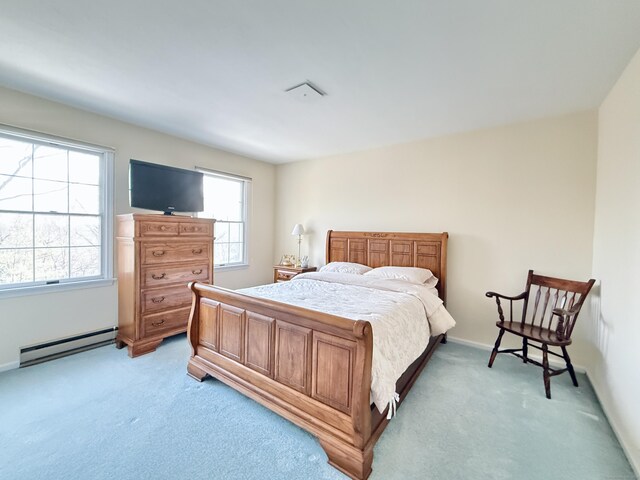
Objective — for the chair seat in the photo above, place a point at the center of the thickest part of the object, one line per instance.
(532, 332)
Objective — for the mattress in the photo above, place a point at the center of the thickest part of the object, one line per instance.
(403, 316)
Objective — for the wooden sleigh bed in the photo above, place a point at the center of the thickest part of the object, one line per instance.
(311, 368)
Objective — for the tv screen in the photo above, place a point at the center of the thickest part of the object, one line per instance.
(168, 189)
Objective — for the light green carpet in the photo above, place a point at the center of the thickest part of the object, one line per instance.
(100, 415)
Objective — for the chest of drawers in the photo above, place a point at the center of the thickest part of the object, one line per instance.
(158, 256)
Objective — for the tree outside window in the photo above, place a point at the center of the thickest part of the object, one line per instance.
(52, 215)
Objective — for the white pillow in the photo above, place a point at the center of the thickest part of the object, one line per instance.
(420, 276)
(345, 267)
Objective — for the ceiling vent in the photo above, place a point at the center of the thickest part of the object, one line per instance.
(305, 92)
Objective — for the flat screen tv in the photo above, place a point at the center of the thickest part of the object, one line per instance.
(163, 188)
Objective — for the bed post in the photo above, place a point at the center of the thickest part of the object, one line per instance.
(355, 459)
(193, 332)
(353, 462)
(327, 254)
(192, 326)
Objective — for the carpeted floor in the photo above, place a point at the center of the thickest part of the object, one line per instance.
(100, 414)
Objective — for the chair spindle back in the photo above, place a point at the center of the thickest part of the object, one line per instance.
(545, 294)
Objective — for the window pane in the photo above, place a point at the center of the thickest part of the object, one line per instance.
(50, 196)
(235, 232)
(51, 230)
(84, 198)
(15, 157)
(47, 181)
(221, 232)
(85, 262)
(15, 193)
(223, 198)
(52, 263)
(16, 266)
(84, 168)
(16, 230)
(85, 231)
(221, 254)
(50, 163)
(235, 253)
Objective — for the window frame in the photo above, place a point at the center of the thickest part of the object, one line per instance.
(246, 187)
(106, 184)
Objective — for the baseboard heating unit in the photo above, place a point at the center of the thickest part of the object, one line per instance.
(51, 350)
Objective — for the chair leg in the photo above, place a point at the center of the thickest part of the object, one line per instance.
(545, 367)
(525, 349)
(570, 366)
(495, 348)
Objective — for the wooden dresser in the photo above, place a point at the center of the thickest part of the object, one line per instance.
(157, 256)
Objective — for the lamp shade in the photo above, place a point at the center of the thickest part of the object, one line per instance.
(298, 229)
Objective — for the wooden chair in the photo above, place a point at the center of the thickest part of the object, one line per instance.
(549, 313)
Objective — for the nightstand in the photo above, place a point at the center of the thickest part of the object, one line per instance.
(283, 273)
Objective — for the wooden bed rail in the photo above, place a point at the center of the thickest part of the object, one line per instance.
(310, 367)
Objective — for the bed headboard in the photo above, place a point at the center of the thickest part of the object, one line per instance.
(398, 249)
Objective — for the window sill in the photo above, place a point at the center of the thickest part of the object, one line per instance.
(59, 287)
(228, 268)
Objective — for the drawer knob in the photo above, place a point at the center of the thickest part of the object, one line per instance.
(157, 299)
(158, 323)
(158, 253)
(196, 272)
(163, 228)
(196, 252)
(158, 277)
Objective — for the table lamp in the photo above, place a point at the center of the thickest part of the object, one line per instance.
(298, 230)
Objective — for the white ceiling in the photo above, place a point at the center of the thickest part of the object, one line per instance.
(393, 71)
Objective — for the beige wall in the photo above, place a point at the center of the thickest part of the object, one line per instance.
(616, 260)
(511, 198)
(32, 319)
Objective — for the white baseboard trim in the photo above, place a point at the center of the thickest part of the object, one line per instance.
(624, 443)
(483, 346)
(9, 366)
(469, 343)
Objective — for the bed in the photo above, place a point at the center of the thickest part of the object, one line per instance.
(311, 367)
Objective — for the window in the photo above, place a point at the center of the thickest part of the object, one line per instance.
(225, 199)
(55, 211)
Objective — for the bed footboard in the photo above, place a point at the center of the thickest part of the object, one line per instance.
(310, 367)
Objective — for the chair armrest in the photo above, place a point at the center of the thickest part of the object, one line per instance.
(563, 312)
(522, 296)
(498, 296)
(564, 330)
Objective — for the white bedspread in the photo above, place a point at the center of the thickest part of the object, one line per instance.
(403, 316)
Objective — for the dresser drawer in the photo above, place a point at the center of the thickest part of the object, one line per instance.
(157, 323)
(165, 298)
(159, 228)
(158, 255)
(284, 275)
(160, 276)
(154, 253)
(201, 229)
